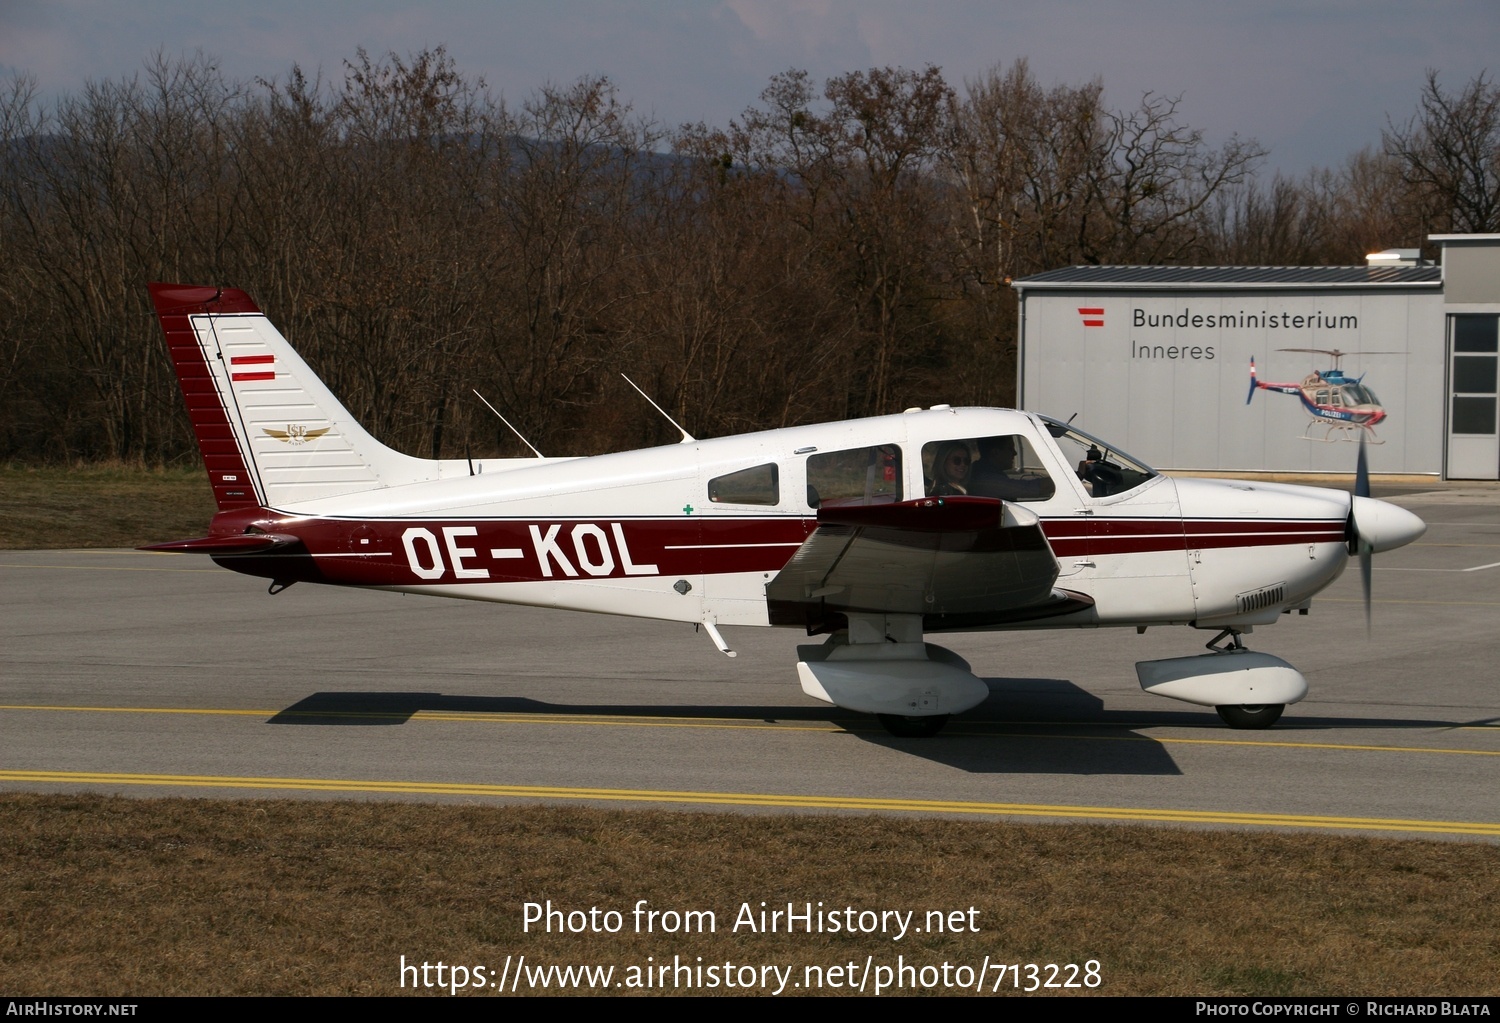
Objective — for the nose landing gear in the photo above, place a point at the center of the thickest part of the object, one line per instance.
(1247, 688)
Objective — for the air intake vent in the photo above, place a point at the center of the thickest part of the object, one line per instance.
(1266, 596)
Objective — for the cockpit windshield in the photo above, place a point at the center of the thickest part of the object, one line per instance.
(1105, 470)
(1359, 394)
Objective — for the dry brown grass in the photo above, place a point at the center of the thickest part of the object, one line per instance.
(98, 505)
(176, 896)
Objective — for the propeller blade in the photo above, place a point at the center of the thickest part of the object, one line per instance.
(1375, 526)
(1362, 471)
(1366, 552)
(1366, 548)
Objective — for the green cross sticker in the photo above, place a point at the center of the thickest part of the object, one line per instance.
(687, 509)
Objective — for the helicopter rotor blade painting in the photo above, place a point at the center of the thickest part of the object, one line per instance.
(871, 533)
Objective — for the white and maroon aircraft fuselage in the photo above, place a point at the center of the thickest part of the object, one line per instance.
(874, 531)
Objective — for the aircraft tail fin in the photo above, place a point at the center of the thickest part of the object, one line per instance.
(271, 432)
(1253, 382)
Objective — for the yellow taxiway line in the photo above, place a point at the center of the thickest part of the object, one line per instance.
(781, 801)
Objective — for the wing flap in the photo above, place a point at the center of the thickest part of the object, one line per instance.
(955, 556)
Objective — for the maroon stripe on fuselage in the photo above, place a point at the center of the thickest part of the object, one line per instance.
(390, 552)
(1079, 537)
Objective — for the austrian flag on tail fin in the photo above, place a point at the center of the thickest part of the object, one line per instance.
(238, 374)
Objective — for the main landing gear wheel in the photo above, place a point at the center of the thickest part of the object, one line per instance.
(905, 727)
(1251, 715)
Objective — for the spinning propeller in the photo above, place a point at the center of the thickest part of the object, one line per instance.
(1375, 526)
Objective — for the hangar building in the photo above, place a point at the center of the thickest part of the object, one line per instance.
(1158, 360)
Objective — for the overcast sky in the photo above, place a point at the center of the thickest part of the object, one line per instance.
(1312, 81)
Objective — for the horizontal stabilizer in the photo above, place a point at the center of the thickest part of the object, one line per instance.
(240, 543)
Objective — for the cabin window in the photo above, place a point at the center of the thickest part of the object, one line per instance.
(759, 484)
(1004, 466)
(856, 476)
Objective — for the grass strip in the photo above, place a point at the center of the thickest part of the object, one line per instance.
(101, 505)
(117, 896)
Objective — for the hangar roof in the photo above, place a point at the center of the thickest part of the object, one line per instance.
(1180, 277)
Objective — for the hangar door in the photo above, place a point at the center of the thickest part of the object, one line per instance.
(1473, 396)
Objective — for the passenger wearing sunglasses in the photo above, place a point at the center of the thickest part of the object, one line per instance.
(950, 470)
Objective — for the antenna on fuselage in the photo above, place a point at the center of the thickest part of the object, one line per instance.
(687, 438)
(507, 422)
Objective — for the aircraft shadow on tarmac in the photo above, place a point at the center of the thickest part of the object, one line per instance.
(1043, 726)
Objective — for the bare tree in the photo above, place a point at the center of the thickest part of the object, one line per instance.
(1450, 155)
(1158, 181)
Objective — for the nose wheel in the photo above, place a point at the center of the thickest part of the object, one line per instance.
(1249, 715)
(1243, 715)
(903, 726)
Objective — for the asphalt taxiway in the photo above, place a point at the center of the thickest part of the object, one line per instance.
(164, 674)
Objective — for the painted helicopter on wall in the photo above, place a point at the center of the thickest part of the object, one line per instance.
(1342, 406)
(872, 532)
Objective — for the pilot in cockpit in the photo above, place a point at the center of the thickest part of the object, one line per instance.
(997, 475)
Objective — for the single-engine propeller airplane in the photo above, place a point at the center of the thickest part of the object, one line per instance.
(873, 532)
(1338, 403)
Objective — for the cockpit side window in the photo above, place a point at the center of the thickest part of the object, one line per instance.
(856, 476)
(1104, 470)
(759, 484)
(1008, 468)
(1004, 466)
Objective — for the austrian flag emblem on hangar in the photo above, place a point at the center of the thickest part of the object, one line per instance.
(1093, 316)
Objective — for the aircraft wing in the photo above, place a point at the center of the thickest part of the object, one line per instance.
(960, 562)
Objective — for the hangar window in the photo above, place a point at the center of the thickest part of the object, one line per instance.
(1474, 333)
(759, 484)
(1473, 376)
(1474, 415)
(856, 476)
